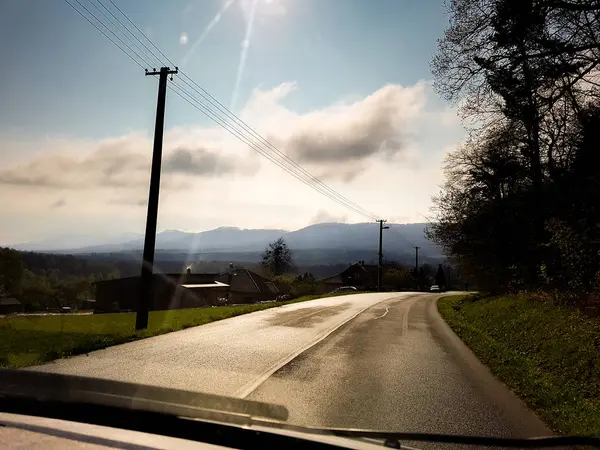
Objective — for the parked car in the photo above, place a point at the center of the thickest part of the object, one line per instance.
(434, 288)
(343, 289)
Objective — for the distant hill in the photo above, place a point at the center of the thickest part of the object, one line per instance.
(325, 243)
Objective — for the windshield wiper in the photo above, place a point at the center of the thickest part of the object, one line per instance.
(19, 384)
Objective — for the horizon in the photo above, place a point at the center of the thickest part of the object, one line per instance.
(133, 235)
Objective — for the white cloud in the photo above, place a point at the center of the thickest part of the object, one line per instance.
(323, 216)
(338, 141)
(118, 163)
(183, 38)
(382, 151)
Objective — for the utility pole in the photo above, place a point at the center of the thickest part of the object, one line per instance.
(417, 259)
(146, 278)
(380, 265)
(417, 266)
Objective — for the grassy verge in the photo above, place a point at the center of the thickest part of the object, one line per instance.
(547, 354)
(30, 340)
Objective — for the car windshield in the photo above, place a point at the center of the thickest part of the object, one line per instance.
(374, 214)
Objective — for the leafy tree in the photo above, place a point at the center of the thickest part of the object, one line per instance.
(518, 208)
(41, 281)
(306, 278)
(397, 278)
(37, 292)
(277, 258)
(11, 271)
(284, 283)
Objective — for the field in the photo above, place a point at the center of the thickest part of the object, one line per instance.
(30, 340)
(549, 355)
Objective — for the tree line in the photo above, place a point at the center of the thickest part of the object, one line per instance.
(520, 207)
(278, 263)
(41, 281)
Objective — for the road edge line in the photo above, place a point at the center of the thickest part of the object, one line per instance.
(248, 388)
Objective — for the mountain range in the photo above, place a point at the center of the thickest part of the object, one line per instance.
(401, 238)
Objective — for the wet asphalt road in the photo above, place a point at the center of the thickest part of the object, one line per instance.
(228, 357)
(397, 366)
(377, 361)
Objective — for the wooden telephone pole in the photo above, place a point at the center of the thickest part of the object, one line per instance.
(146, 278)
(380, 265)
(417, 280)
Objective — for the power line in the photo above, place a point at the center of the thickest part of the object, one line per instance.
(142, 33)
(401, 236)
(117, 28)
(101, 31)
(282, 158)
(177, 89)
(108, 29)
(288, 161)
(254, 134)
(230, 122)
(248, 135)
(213, 101)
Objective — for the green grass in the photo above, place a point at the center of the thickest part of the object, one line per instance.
(547, 354)
(30, 340)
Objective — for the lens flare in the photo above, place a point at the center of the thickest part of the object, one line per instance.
(243, 55)
(205, 32)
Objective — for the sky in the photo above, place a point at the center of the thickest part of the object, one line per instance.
(342, 87)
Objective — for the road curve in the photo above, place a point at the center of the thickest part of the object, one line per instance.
(398, 366)
(379, 361)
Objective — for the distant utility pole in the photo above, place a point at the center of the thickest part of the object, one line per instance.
(141, 318)
(417, 260)
(380, 265)
(417, 267)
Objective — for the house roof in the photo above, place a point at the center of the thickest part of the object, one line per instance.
(261, 283)
(264, 284)
(337, 278)
(216, 284)
(191, 278)
(367, 267)
(6, 301)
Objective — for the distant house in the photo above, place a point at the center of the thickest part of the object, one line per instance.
(246, 286)
(9, 305)
(169, 291)
(360, 275)
(329, 284)
(188, 290)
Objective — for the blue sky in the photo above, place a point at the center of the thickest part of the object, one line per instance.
(65, 83)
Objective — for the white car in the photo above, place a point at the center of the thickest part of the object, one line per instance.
(434, 288)
(343, 289)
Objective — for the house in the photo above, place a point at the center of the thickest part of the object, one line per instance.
(188, 290)
(169, 291)
(10, 305)
(360, 275)
(246, 286)
(329, 284)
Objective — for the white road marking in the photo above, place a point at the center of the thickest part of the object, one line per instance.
(387, 310)
(247, 389)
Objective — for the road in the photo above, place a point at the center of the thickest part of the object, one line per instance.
(380, 361)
